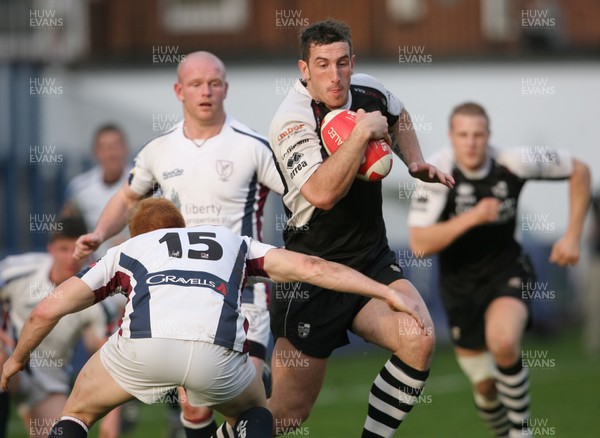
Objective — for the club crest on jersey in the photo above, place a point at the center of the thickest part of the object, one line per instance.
(303, 329)
(500, 190)
(224, 169)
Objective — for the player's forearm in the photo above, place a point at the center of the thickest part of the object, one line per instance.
(114, 216)
(405, 141)
(426, 241)
(579, 198)
(332, 180)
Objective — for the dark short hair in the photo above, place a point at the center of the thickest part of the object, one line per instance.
(324, 32)
(69, 227)
(469, 109)
(108, 127)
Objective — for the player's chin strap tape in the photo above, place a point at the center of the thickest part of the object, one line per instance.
(257, 350)
(477, 368)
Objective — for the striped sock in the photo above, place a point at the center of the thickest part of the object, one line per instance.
(393, 394)
(224, 431)
(512, 384)
(493, 413)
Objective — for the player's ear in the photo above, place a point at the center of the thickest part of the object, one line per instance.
(225, 88)
(177, 87)
(352, 61)
(303, 66)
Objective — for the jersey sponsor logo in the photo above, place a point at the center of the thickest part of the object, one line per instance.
(186, 279)
(291, 148)
(224, 169)
(172, 173)
(300, 127)
(293, 160)
(303, 330)
(500, 190)
(298, 167)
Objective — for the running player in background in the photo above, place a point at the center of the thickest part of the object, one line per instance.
(25, 280)
(216, 171)
(89, 192)
(483, 269)
(183, 323)
(337, 217)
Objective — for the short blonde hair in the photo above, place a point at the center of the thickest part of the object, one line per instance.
(152, 214)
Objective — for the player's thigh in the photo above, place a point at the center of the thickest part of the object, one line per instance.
(95, 392)
(380, 325)
(505, 322)
(191, 412)
(252, 396)
(297, 379)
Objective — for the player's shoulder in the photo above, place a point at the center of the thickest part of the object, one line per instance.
(84, 179)
(511, 158)
(361, 81)
(294, 109)
(22, 265)
(163, 140)
(365, 80)
(246, 134)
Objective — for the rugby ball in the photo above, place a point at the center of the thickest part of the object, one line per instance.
(335, 129)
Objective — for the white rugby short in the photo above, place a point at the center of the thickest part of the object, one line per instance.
(148, 368)
(257, 314)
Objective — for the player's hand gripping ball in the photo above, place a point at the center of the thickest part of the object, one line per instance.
(336, 128)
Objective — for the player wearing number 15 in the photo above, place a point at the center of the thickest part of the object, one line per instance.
(182, 324)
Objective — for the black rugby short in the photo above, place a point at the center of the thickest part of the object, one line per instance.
(316, 320)
(466, 308)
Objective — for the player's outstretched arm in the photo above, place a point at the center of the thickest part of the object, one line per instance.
(71, 296)
(283, 265)
(112, 220)
(428, 240)
(332, 180)
(566, 250)
(406, 145)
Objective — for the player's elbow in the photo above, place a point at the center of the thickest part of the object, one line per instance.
(581, 172)
(44, 314)
(319, 198)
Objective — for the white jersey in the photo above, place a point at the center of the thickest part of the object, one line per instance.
(89, 194)
(24, 282)
(223, 180)
(181, 283)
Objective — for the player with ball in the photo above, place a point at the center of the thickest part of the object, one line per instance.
(332, 168)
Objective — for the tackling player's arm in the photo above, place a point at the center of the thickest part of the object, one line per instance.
(434, 238)
(70, 297)
(566, 250)
(406, 145)
(282, 265)
(333, 178)
(112, 220)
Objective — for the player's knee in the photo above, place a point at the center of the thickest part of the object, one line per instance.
(420, 341)
(287, 420)
(504, 349)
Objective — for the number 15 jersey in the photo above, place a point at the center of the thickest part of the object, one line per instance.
(181, 283)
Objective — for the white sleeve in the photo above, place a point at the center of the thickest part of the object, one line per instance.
(267, 171)
(539, 162)
(427, 204)
(256, 257)
(141, 179)
(298, 151)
